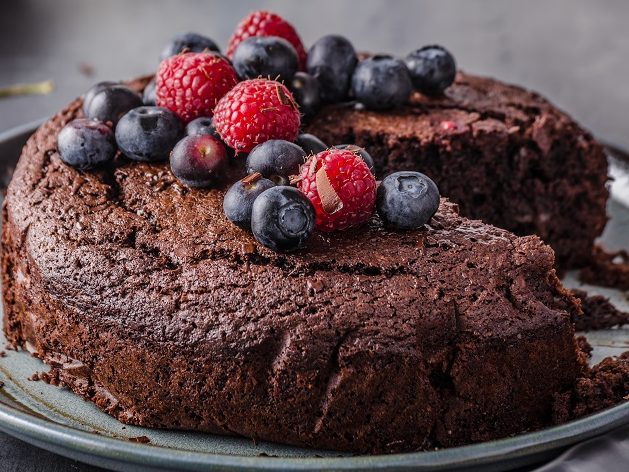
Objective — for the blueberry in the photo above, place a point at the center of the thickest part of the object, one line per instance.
(192, 41)
(331, 61)
(407, 199)
(381, 82)
(86, 143)
(305, 91)
(265, 56)
(111, 103)
(276, 160)
(148, 96)
(282, 218)
(205, 125)
(432, 69)
(361, 152)
(310, 143)
(148, 133)
(199, 160)
(89, 95)
(238, 200)
(201, 125)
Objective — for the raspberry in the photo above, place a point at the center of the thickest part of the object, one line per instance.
(341, 188)
(264, 23)
(190, 84)
(255, 111)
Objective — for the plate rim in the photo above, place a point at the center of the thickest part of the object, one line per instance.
(526, 448)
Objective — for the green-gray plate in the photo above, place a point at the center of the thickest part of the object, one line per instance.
(57, 420)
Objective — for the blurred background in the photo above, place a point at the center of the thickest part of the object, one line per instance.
(574, 52)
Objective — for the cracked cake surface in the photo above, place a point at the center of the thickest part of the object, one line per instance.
(144, 299)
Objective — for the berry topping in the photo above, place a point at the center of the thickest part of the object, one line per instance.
(191, 42)
(255, 111)
(238, 201)
(331, 61)
(276, 160)
(267, 56)
(110, 103)
(282, 219)
(201, 125)
(407, 199)
(381, 82)
(190, 84)
(263, 23)
(205, 125)
(432, 69)
(305, 90)
(360, 152)
(341, 188)
(94, 89)
(310, 143)
(198, 160)
(148, 133)
(86, 143)
(148, 96)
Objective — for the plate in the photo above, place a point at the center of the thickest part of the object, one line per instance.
(57, 420)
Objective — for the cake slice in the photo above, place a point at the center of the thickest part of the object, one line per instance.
(504, 154)
(144, 299)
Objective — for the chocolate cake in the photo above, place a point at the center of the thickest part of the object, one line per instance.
(504, 154)
(144, 299)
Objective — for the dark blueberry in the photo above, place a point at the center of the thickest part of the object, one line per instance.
(310, 143)
(305, 91)
(192, 41)
(331, 61)
(282, 218)
(87, 98)
(111, 103)
(148, 133)
(148, 97)
(199, 160)
(361, 152)
(265, 56)
(432, 69)
(238, 200)
(381, 83)
(201, 125)
(86, 143)
(407, 199)
(205, 125)
(276, 160)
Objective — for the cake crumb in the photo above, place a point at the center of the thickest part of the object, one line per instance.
(1, 384)
(610, 269)
(598, 312)
(35, 377)
(140, 439)
(3, 353)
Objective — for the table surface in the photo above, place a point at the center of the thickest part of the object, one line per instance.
(572, 51)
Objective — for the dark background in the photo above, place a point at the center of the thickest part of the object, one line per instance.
(575, 52)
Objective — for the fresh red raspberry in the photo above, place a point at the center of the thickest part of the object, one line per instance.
(264, 23)
(255, 111)
(340, 186)
(190, 84)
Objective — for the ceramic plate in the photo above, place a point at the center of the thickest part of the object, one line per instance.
(57, 420)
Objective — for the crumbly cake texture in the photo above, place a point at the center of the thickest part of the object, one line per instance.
(144, 299)
(504, 154)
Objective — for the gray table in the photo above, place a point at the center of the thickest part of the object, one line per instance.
(576, 52)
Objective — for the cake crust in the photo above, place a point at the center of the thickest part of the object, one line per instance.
(144, 299)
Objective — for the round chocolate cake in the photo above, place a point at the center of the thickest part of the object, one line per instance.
(146, 300)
